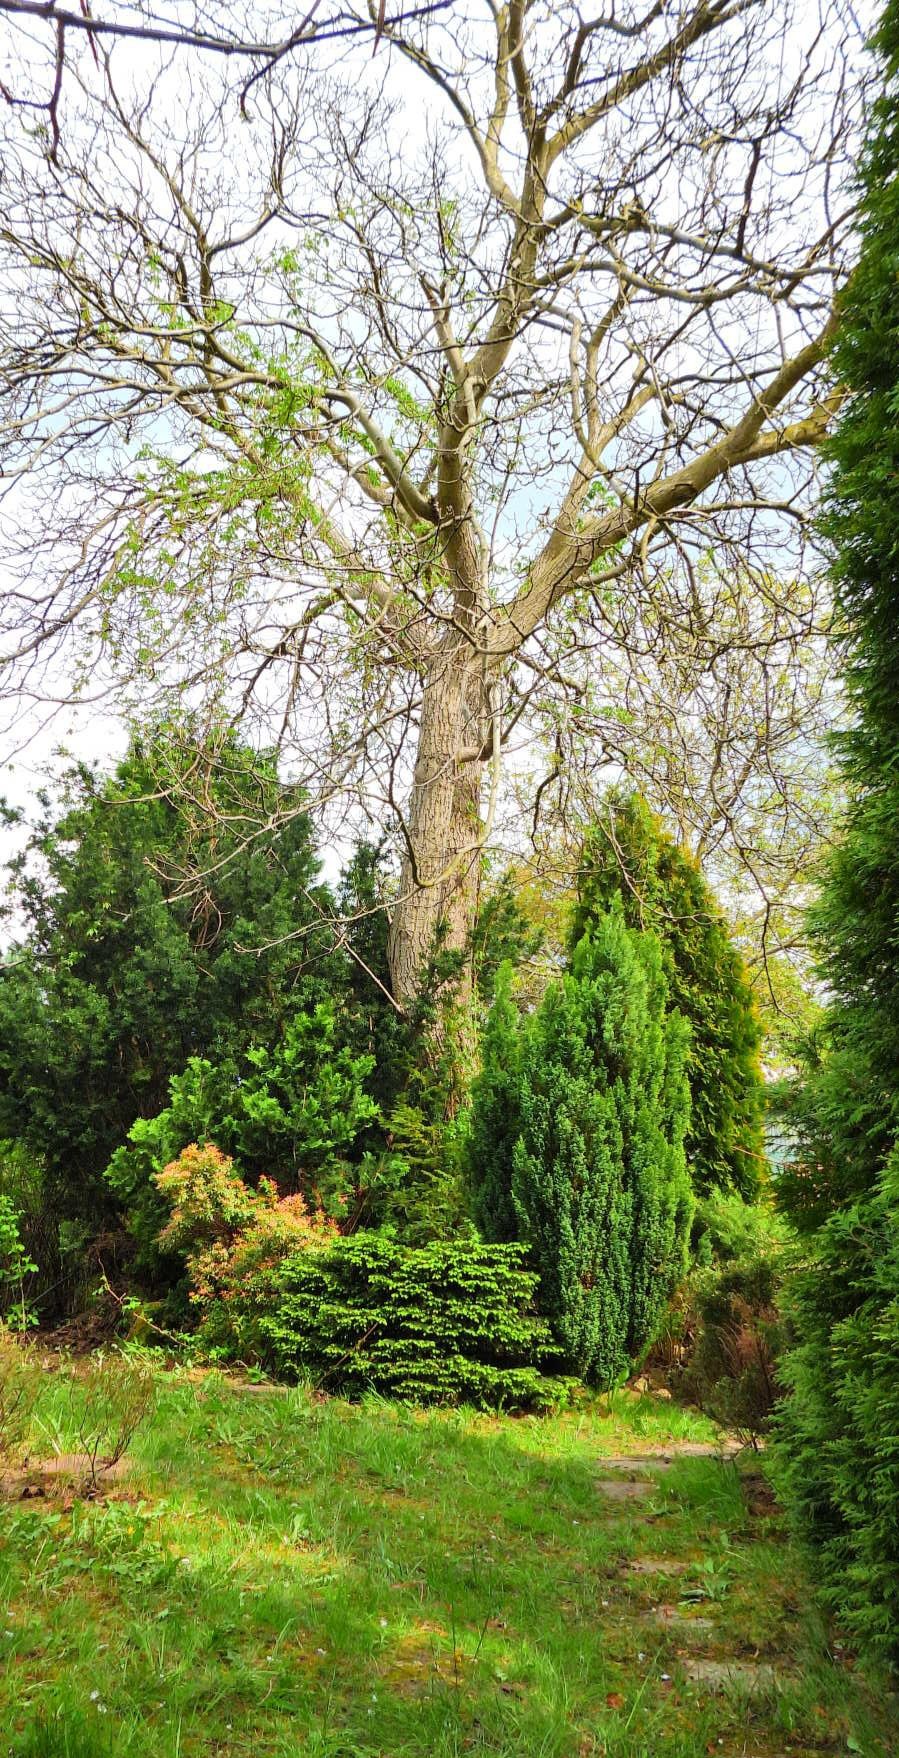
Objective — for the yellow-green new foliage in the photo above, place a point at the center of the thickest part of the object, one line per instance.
(577, 1146)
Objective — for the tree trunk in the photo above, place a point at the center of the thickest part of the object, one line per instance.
(437, 906)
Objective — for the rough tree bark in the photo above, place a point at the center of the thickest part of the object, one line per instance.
(439, 881)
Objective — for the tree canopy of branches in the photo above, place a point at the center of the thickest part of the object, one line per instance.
(395, 400)
(841, 1422)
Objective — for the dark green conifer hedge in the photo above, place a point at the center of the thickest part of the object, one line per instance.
(839, 1446)
(629, 855)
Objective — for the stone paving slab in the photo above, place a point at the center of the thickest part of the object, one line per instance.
(621, 1489)
(657, 1566)
(756, 1677)
(664, 1457)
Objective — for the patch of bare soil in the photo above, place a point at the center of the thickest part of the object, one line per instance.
(49, 1477)
(86, 1332)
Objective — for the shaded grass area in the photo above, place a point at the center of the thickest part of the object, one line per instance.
(282, 1575)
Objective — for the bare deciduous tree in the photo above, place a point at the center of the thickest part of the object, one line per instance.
(370, 406)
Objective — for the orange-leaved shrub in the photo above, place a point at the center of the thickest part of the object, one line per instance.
(233, 1240)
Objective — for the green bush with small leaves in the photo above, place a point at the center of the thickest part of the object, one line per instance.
(294, 1113)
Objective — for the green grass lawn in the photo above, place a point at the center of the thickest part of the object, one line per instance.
(280, 1575)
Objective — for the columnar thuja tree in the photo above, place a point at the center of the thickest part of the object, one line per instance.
(576, 1145)
(628, 856)
(355, 398)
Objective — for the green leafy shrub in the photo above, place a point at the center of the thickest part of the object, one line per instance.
(300, 1108)
(424, 1197)
(123, 971)
(56, 1247)
(198, 1101)
(505, 931)
(576, 1146)
(15, 1266)
(442, 1323)
(727, 1230)
(294, 1113)
(629, 855)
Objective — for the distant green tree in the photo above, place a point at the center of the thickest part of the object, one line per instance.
(629, 855)
(374, 1023)
(122, 972)
(576, 1145)
(839, 1426)
(503, 934)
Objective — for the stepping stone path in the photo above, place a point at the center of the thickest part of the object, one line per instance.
(668, 1456)
(755, 1677)
(617, 1489)
(626, 1466)
(679, 1622)
(634, 1476)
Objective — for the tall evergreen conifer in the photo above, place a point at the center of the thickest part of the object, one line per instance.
(628, 854)
(839, 1447)
(576, 1145)
(122, 975)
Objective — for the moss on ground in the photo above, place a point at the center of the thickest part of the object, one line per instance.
(281, 1575)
